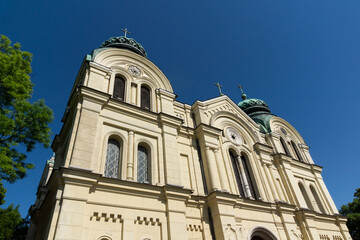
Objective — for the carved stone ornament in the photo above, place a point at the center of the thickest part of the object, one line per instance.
(233, 135)
(134, 70)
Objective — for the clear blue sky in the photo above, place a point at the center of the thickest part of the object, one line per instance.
(301, 57)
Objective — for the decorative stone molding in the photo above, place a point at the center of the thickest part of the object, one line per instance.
(336, 237)
(194, 228)
(324, 237)
(107, 217)
(224, 107)
(147, 221)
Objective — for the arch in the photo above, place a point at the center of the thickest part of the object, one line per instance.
(143, 163)
(104, 238)
(113, 160)
(261, 233)
(284, 146)
(114, 56)
(317, 199)
(119, 87)
(235, 122)
(305, 196)
(276, 123)
(145, 96)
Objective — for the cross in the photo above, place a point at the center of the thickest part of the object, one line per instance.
(125, 31)
(241, 88)
(219, 86)
(243, 95)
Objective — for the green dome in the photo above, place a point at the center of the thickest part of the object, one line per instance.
(124, 43)
(258, 110)
(253, 106)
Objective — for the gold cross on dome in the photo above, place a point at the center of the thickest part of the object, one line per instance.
(219, 86)
(125, 31)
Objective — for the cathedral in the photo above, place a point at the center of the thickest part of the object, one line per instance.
(132, 162)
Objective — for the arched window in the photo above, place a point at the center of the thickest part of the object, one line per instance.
(119, 88)
(145, 97)
(306, 197)
(257, 238)
(113, 159)
(143, 165)
(317, 199)
(296, 151)
(261, 233)
(248, 176)
(284, 146)
(237, 172)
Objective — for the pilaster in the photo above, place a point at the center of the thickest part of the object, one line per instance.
(209, 141)
(166, 100)
(222, 212)
(175, 206)
(82, 154)
(169, 125)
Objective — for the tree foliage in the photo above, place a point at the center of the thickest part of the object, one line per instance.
(352, 212)
(22, 123)
(12, 225)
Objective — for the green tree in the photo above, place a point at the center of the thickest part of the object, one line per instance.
(352, 212)
(22, 123)
(12, 225)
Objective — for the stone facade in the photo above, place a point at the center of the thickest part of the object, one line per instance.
(210, 173)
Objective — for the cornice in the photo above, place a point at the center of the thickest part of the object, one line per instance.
(316, 168)
(100, 67)
(169, 120)
(92, 94)
(208, 130)
(263, 148)
(130, 109)
(166, 93)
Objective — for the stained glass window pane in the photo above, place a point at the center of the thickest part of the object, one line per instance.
(112, 159)
(142, 167)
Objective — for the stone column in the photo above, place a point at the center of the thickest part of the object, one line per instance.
(130, 160)
(221, 168)
(244, 178)
(213, 175)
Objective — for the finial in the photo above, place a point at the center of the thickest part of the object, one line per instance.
(219, 86)
(243, 95)
(125, 31)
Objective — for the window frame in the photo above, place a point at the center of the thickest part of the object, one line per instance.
(124, 80)
(120, 157)
(148, 152)
(148, 88)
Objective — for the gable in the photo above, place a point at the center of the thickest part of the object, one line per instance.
(222, 112)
